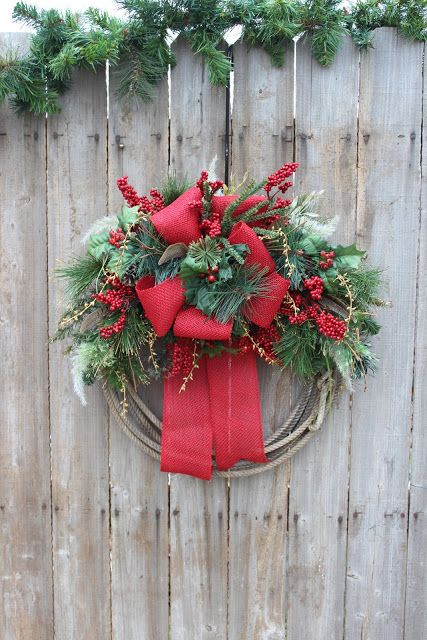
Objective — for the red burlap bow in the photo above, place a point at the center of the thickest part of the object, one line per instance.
(220, 407)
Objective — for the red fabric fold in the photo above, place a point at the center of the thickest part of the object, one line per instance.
(235, 409)
(262, 309)
(186, 429)
(241, 233)
(161, 302)
(192, 323)
(219, 407)
(179, 221)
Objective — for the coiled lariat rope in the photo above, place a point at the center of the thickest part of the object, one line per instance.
(317, 397)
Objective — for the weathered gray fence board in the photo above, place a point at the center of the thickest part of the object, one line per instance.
(387, 225)
(197, 128)
(319, 549)
(139, 491)
(262, 124)
(25, 529)
(198, 510)
(326, 132)
(416, 587)
(77, 173)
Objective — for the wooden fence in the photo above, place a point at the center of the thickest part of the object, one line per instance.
(95, 544)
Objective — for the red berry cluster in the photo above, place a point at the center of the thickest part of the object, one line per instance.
(243, 344)
(278, 178)
(281, 203)
(203, 178)
(116, 298)
(314, 286)
(157, 201)
(265, 338)
(326, 259)
(215, 185)
(116, 237)
(113, 329)
(211, 274)
(143, 202)
(211, 226)
(182, 359)
(298, 318)
(330, 326)
(266, 223)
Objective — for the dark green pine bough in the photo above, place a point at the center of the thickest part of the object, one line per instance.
(138, 45)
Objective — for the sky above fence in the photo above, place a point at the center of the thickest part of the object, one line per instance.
(6, 8)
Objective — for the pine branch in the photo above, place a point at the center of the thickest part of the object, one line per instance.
(299, 349)
(228, 219)
(138, 45)
(172, 188)
(81, 274)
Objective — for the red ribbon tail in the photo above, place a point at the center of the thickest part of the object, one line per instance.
(235, 409)
(186, 430)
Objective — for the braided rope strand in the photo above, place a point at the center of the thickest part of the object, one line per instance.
(144, 428)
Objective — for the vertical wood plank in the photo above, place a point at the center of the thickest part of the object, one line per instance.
(387, 225)
(197, 131)
(262, 140)
(25, 505)
(77, 171)
(198, 509)
(263, 122)
(138, 147)
(326, 148)
(416, 588)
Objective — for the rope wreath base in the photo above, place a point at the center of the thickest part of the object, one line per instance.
(316, 399)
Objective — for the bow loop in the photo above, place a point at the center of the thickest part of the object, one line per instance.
(161, 302)
(192, 323)
(179, 221)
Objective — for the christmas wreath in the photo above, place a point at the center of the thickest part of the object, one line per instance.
(191, 283)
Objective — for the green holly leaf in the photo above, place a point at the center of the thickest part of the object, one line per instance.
(309, 246)
(348, 257)
(121, 260)
(192, 264)
(328, 278)
(99, 245)
(128, 217)
(204, 300)
(186, 272)
(225, 272)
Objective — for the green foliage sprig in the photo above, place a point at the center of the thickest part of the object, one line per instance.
(138, 45)
(323, 321)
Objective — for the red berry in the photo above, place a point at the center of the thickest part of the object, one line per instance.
(315, 287)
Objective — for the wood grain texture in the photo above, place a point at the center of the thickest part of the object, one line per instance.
(267, 557)
(139, 491)
(77, 195)
(25, 514)
(197, 131)
(262, 121)
(387, 226)
(326, 148)
(199, 513)
(416, 587)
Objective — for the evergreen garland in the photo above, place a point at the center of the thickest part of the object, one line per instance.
(138, 46)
